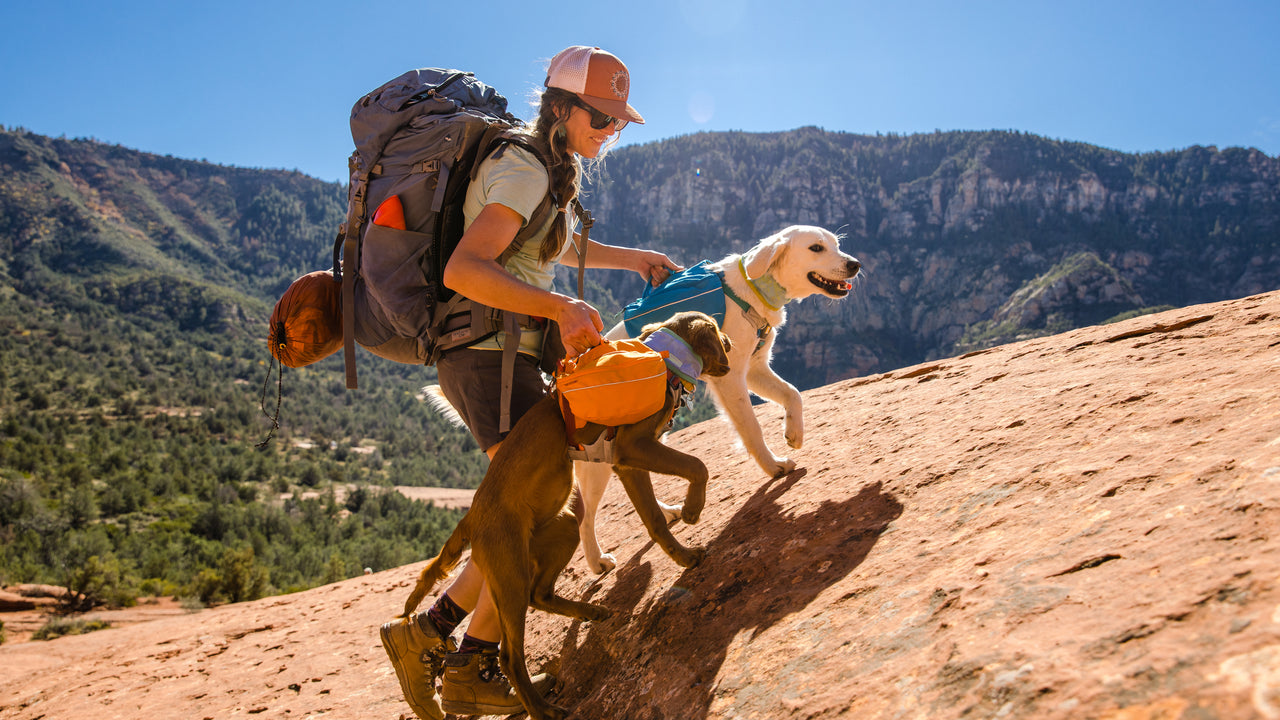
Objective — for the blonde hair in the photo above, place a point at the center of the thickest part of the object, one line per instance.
(565, 169)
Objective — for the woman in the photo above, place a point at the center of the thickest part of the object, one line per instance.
(582, 109)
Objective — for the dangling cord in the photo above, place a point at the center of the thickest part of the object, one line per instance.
(262, 403)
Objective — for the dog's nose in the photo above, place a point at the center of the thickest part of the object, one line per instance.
(852, 267)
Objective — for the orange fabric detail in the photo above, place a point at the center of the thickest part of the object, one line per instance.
(390, 213)
(613, 383)
(306, 324)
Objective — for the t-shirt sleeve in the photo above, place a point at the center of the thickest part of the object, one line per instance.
(516, 180)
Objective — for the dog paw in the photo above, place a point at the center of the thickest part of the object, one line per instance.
(689, 557)
(793, 427)
(795, 439)
(598, 613)
(693, 504)
(780, 467)
(604, 564)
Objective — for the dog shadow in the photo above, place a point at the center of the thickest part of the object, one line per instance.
(765, 564)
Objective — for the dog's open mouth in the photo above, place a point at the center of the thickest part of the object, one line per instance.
(836, 288)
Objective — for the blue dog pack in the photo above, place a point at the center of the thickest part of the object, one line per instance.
(697, 288)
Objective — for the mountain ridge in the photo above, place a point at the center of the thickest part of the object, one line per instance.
(950, 227)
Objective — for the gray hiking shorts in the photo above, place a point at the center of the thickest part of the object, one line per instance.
(472, 383)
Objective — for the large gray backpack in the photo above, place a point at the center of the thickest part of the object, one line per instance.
(419, 139)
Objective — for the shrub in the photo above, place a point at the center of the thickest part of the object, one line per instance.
(98, 581)
(239, 577)
(242, 577)
(58, 627)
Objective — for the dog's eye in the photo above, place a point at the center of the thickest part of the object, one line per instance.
(816, 247)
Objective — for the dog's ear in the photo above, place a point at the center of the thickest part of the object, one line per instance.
(649, 329)
(711, 344)
(760, 258)
(722, 347)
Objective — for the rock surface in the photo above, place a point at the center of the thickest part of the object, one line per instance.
(1076, 526)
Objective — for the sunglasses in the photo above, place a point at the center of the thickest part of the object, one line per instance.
(599, 120)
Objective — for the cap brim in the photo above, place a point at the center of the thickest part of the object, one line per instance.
(617, 108)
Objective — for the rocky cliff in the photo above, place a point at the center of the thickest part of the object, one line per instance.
(1082, 525)
(968, 239)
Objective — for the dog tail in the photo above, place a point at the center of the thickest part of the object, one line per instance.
(439, 567)
(435, 397)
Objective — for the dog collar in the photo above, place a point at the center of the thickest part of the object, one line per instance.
(681, 359)
(766, 287)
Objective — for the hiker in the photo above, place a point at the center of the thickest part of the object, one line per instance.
(582, 109)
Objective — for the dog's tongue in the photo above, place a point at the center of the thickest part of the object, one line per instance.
(846, 285)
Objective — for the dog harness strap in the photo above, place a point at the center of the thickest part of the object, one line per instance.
(566, 412)
(677, 388)
(763, 328)
(600, 451)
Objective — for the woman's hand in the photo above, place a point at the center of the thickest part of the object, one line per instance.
(580, 326)
(654, 267)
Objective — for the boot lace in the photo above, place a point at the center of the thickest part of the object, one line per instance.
(433, 659)
(490, 670)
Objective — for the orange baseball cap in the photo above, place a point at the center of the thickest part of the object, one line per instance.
(597, 77)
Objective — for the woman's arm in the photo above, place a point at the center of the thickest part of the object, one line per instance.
(473, 271)
(653, 266)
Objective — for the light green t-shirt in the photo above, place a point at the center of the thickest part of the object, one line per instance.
(518, 181)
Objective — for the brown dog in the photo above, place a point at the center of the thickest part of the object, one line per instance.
(521, 525)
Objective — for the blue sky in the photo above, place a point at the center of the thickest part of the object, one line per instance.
(270, 83)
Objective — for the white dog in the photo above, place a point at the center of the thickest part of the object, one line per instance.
(795, 263)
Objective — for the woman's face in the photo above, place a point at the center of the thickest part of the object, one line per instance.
(580, 137)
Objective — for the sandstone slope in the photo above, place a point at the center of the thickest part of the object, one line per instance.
(1078, 526)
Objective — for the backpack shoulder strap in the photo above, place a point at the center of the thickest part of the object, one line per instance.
(493, 146)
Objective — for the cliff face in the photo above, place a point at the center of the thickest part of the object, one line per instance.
(968, 239)
(1076, 526)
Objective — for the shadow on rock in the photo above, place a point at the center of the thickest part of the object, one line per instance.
(659, 657)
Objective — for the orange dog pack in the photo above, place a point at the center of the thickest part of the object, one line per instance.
(615, 383)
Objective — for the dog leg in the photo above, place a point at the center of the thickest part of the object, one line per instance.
(511, 609)
(593, 479)
(763, 381)
(553, 546)
(648, 453)
(506, 558)
(640, 489)
(734, 400)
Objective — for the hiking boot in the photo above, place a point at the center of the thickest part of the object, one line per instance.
(417, 653)
(474, 684)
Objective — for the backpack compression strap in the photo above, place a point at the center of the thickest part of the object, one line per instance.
(347, 267)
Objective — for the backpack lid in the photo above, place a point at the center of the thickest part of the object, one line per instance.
(377, 116)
